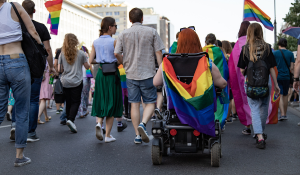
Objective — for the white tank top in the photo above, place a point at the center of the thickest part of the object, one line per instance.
(10, 30)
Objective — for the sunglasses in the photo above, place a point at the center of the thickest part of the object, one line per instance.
(115, 26)
(191, 27)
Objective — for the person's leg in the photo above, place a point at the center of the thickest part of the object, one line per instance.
(284, 99)
(34, 106)
(264, 112)
(255, 105)
(126, 105)
(233, 109)
(9, 109)
(159, 100)
(58, 106)
(148, 111)
(229, 111)
(135, 116)
(109, 124)
(75, 99)
(41, 109)
(67, 96)
(290, 94)
(149, 95)
(63, 116)
(47, 118)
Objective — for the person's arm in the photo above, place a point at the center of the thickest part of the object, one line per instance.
(92, 56)
(292, 67)
(159, 57)
(119, 49)
(56, 64)
(28, 23)
(297, 71)
(273, 75)
(219, 81)
(50, 56)
(158, 80)
(242, 71)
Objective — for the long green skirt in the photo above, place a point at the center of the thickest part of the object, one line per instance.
(107, 96)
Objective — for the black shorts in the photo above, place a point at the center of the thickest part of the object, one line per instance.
(284, 86)
(230, 95)
(59, 98)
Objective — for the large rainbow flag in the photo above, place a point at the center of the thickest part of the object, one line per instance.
(217, 56)
(54, 7)
(194, 103)
(237, 82)
(123, 80)
(254, 13)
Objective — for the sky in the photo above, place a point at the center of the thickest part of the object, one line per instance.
(221, 17)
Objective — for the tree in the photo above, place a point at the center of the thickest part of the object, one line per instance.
(293, 20)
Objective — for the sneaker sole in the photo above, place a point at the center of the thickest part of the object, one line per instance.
(71, 128)
(32, 140)
(145, 137)
(22, 164)
(12, 135)
(129, 120)
(110, 141)
(246, 133)
(98, 133)
(137, 142)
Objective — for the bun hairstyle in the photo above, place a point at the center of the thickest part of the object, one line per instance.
(106, 22)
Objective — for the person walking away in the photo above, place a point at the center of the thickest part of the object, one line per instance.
(15, 72)
(137, 45)
(83, 108)
(285, 65)
(296, 84)
(59, 98)
(45, 94)
(71, 60)
(107, 100)
(173, 47)
(257, 56)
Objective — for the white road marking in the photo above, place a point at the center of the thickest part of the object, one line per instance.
(5, 126)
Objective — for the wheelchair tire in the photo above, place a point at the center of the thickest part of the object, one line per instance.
(215, 155)
(156, 155)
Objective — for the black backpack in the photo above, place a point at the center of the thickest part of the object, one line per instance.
(258, 79)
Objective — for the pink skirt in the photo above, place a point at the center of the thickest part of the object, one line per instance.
(46, 88)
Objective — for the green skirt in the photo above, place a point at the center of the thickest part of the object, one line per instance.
(107, 96)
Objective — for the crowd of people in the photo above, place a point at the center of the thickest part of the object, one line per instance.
(138, 50)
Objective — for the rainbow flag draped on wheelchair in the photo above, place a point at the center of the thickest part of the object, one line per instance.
(194, 103)
(217, 56)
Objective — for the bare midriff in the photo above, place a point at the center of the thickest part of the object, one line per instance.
(11, 48)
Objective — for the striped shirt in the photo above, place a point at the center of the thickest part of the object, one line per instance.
(138, 45)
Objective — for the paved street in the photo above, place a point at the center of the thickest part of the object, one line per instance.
(61, 152)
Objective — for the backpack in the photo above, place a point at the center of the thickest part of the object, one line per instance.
(257, 79)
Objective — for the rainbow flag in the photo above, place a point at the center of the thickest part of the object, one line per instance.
(237, 82)
(254, 13)
(123, 80)
(89, 73)
(194, 103)
(54, 7)
(217, 56)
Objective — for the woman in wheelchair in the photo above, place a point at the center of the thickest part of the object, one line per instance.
(189, 42)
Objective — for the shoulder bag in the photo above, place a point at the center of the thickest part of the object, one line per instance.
(291, 75)
(35, 53)
(58, 88)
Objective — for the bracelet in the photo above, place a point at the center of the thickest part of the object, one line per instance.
(296, 79)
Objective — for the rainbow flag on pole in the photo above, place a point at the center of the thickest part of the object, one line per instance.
(254, 13)
(54, 7)
(194, 103)
(217, 56)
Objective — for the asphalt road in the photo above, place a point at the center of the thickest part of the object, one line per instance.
(61, 152)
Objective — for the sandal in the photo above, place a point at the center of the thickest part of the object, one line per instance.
(49, 107)
(87, 114)
(47, 119)
(40, 122)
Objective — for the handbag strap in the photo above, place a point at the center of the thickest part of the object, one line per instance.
(285, 61)
(20, 19)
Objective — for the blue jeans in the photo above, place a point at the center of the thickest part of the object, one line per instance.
(141, 88)
(63, 116)
(259, 113)
(34, 105)
(15, 74)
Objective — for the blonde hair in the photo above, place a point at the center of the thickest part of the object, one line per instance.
(69, 48)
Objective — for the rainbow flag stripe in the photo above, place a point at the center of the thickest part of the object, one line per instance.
(194, 103)
(253, 13)
(54, 8)
(217, 56)
(123, 81)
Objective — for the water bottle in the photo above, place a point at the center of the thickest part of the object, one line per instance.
(51, 79)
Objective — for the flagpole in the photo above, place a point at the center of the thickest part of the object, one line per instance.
(275, 24)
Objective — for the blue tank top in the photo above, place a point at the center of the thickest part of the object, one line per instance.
(104, 47)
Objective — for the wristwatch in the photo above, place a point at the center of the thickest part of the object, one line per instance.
(296, 79)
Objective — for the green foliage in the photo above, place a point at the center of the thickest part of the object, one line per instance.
(293, 19)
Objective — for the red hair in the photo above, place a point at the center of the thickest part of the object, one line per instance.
(188, 42)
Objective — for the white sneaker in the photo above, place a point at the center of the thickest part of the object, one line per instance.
(110, 139)
(99, 132)
(72, 126)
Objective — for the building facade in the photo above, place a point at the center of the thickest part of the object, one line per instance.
(119, 11)
(73, 19)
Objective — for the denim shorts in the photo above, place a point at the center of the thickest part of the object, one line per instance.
(284, 86)
(141, 88)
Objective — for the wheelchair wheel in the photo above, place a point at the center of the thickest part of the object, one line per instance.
(215, 155)
(156, 155)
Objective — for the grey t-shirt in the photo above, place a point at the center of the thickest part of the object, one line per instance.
(72, 75)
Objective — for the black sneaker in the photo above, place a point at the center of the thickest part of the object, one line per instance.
(261, 144)
(265, 136)
(104, 131)
(121, 128)
(153, 118)
(63, 122)
(246, 131)
(8, 116)
(234, 117)
(12, 133)
(33, 138)
(22, 162)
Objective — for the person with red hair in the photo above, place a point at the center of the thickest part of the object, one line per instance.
(189, 42)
